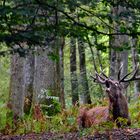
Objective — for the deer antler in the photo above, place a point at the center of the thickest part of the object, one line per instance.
(119, 73)
(106, 77)
(132, 78)
(99, 78)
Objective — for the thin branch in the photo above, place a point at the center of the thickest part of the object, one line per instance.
(91, 12)
(33, 20)
(93, 59)
(96, 42)
(91, 28)
(99, 59)
(4, 1)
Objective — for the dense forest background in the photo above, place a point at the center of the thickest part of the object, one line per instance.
(50, 49)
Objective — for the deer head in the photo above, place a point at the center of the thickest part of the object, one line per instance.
(118, 105)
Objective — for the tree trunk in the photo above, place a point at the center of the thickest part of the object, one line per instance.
(114, 57)
(73, 72)
(118, 42)
(47, 66)
(135, 59)
(61, 64)
(17, 85)
(45, 73)
(84, 88)
(59, 43)
(28, 82)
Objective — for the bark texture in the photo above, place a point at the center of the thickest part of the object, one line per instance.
(84, 88)
(135, 62)
(17, 85)
(61, 64)
(73, 72)
(44, 73)
(28, 82)
(118, 43)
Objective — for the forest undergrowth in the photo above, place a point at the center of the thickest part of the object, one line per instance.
(38, 121)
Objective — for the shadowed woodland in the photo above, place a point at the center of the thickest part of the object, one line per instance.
(69, 69)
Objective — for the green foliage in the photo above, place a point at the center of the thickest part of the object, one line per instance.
(122, 121)
(50, 104)
(65, 121)
(86, 132)
(52, 109)
(4, 75)
(4, 87)
(53, 57)
(62, 122)
(96, 129)
(135, 113)
(2, 115)
(31, 21)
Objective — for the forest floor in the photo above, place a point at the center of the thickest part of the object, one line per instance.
(115, 134)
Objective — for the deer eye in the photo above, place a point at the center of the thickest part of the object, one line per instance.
(107, 84)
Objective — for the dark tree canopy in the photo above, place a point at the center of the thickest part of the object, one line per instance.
(37, 22)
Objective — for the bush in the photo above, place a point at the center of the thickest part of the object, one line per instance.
(49, 104)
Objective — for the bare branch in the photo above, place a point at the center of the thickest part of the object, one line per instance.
(92, 52)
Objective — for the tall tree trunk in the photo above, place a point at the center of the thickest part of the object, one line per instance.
(113, 59)
(117, 42)
(84, 88)
(60, 71)
(135, 61)
(47, 66)
(61, 64)
(16, 85)
(73, 71)
(45, 72)
(28, 82)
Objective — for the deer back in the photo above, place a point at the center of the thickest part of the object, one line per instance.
(92, 116)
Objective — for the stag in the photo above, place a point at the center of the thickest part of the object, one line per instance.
(118, 105)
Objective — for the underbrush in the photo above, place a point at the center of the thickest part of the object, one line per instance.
(38, 122)
(134, 109)
(65, 121)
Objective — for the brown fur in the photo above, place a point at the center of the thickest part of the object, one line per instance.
(88, 117)
(97, 115)
(118, 107)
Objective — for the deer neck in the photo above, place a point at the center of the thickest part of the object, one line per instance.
(119, 108)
